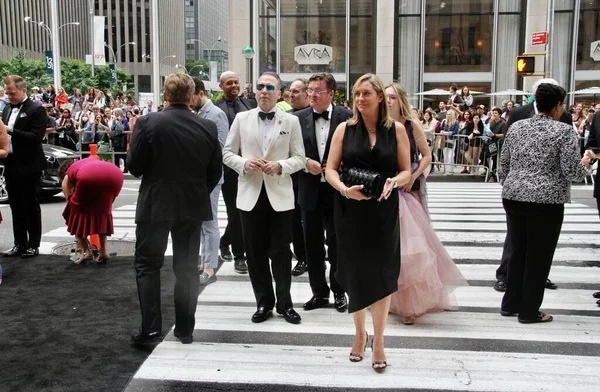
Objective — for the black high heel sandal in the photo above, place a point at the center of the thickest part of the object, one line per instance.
(359, 357)
(378, 363)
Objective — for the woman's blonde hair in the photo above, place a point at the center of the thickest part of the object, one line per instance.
(451, 113)
(384, 111)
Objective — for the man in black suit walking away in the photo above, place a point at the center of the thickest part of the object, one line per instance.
(26, 123)
(522, 113)
(232, 104)
(179, 156)
(593, 146)
(315, 195)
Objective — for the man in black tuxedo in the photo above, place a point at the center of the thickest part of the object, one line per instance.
(593, 144)
(298, 100)
(522, 113)
(179, 156)
(315, 195)
(232, 104)
(26, 123)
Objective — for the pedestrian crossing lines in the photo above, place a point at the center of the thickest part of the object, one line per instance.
(472, 348)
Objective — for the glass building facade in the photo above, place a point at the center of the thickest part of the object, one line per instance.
(435, 43)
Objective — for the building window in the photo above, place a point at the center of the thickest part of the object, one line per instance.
(588, 40)
(313, 36)
(267, 36)
(458, 36)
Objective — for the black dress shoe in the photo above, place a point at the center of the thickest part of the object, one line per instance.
(184, 339)
(315, 303)
(30, 252)
(225, 253)
(147, 338)
(14, 251)
(508, 313)
(340, 302)
(300, 268)
(206, 279)
(500, 285)
(290, 315)
(596, 294)
(262, 314)
(239, 266)
(550, 285)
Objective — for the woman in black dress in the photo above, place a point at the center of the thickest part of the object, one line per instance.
(367, 228)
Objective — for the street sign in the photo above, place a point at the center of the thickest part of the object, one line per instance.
(595, 50)
(525, 65)
(539, 38)
(49, 63)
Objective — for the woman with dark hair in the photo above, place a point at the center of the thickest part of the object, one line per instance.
(539, 160)
(367, 227)
(474, 132)
(90, 186)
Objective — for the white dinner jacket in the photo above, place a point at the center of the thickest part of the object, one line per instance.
(245, 141)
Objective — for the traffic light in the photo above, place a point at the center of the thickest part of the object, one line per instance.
(525, 65)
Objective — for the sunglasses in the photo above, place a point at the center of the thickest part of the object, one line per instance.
(261, 87)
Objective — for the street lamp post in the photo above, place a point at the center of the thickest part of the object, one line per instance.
(182, 67)
(53, 33)
(248, 53)
(112, 51)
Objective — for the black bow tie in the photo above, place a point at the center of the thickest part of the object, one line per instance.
(324, 115)
(265, 116)
(17, 106)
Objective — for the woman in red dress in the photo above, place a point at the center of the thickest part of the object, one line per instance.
(90, 186)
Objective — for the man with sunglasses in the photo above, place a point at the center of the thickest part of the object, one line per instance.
(264, 147)
(315, 195)
(232, 104)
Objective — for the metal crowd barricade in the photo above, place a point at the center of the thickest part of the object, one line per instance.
(453, 152)
(83, 154)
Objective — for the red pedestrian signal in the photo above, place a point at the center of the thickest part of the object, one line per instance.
(525, 65)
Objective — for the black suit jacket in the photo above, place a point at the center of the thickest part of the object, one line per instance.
(245, 104)
(308, 184)
(528, 111)
(179, 157)
(593, 143)
(28, 132)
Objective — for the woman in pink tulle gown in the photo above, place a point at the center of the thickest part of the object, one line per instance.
(428, 275)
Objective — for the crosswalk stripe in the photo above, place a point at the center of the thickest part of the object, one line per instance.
(470, 348)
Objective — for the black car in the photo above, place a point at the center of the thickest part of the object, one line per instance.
(49, 184)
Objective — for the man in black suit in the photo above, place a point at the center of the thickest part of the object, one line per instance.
(298, 100)
(315, 195)
(593, 144)
(26, 123)
(522, 113)
(179, 156)
(232, 104)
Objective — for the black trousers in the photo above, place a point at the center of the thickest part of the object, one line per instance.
(23, 193)
(268, 235)
(533, 231)
(316, 224)
(298, 230)
(233, 232)
(150, 247)
(502, 269)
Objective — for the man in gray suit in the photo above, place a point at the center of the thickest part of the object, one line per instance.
(210, 235)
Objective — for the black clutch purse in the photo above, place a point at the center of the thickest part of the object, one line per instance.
(371, 180)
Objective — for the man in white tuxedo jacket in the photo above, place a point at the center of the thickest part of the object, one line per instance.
(265, 147)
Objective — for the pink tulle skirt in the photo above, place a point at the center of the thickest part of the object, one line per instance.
(427, 274)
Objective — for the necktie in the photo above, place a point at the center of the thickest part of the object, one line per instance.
(324, 115)
(17, 106)
(265, 116)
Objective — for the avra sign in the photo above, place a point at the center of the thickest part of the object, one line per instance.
(313, 54)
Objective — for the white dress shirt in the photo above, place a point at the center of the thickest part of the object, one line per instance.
(322, 134)
(266, 129)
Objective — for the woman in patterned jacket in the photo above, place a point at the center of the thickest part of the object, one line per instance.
(540, 158)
